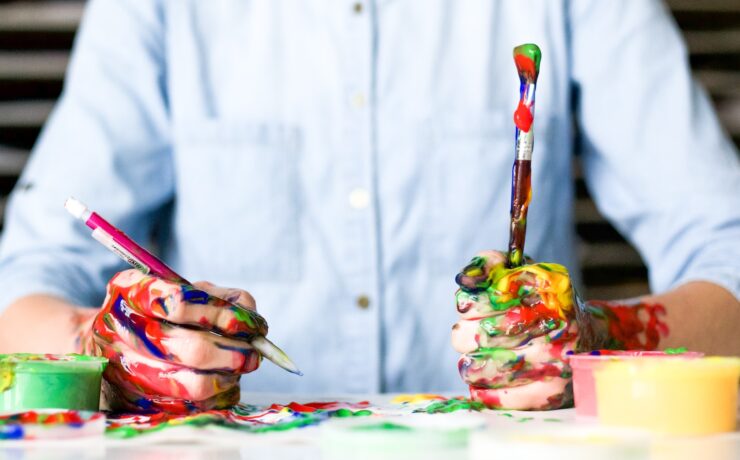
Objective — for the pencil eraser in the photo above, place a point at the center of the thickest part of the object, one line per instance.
(75, 207)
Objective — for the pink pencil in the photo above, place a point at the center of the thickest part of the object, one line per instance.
(127, 249)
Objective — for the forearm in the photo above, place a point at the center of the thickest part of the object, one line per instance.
(700, 316)
(42, 324)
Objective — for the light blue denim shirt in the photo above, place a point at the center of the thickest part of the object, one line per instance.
(324, 153)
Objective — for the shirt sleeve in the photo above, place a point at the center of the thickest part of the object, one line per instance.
(655, 157)
(107, 144)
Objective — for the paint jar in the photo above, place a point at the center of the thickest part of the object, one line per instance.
(35, 381)
(584, 364)
(670, 396)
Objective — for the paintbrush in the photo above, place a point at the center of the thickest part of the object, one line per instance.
(527, 59)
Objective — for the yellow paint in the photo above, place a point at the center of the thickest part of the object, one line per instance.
(6, 377)
(415, 398)
(556, 293)
(670, 396)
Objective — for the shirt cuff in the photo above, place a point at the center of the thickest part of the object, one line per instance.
(19, 280)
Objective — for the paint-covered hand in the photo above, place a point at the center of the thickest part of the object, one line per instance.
(173, 347)
(516, 328)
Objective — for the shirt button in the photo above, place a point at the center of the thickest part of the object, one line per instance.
(357, 8)
(357, 100)
(359, 198)
(363, 302)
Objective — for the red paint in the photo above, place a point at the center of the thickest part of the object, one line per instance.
(526, 67)
(523, 117)
(294, 406)
(626, 327)
(488, 397)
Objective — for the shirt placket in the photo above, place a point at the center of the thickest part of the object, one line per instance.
(361, 323)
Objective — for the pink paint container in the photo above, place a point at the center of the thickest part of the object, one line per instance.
(584, 365)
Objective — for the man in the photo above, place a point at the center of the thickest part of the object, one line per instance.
(341, 161)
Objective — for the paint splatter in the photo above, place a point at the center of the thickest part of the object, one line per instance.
(452, 405)
(50, 424)
(244, 418)
(416, 398)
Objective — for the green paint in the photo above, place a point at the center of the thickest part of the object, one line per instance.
(452, 405)
(525, 419)
(490, 326)
(299, 420)
(344, 413)
(531, 51)
(243, 316)
(552, 420)
(500, 306)
(505, 414)
(30, 381)
(383, 426)
(675, 351)
(498, 354)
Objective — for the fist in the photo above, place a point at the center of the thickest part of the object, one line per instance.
(515, 329)
(173, 347)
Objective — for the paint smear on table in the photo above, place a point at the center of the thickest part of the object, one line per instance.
(51, 424)
(242, 418)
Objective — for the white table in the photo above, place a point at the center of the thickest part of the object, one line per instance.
(316, 442)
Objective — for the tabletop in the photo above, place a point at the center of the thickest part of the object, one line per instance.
(379, 426)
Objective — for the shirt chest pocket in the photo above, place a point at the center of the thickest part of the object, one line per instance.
(236, 214)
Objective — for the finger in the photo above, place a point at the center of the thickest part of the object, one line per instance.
(544, 395)
(137, 374)
(515, 328)
(476, 305)
(501, 368)
(475, 277)
(159, 340)
(122, 400)
(231, 295)
(184, 305)
(204, 351)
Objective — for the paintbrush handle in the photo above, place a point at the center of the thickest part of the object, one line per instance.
(527, 59)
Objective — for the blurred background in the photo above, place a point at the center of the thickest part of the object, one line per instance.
(36, 35)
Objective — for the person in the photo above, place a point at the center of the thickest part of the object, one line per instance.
(340, 161)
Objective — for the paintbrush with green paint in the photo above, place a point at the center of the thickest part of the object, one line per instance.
(527, 59)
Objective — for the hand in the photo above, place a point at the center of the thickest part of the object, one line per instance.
(173, 347)
(516, 327)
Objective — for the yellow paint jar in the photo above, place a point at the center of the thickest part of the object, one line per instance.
(675, 396)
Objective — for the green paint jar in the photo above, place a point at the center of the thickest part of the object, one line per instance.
(37, 381)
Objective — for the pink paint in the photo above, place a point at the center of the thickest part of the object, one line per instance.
(584, 365)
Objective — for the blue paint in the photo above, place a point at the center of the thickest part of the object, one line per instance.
(11, 432)
(195, 296)
(136, 323)
(144, 403)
